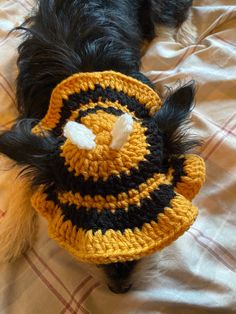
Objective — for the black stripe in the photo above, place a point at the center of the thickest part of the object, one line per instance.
(110, 110)
(178, 165)
(91, 219)
(76, 100)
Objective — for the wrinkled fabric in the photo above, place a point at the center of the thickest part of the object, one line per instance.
(200, 274)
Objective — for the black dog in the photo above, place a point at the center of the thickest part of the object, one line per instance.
(66, 37)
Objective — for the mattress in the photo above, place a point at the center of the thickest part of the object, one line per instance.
(200, 271)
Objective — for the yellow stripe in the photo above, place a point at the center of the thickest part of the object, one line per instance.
(85, 81)
(123, 200)
(190, 184)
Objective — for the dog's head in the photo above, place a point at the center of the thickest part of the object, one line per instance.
(110, 170)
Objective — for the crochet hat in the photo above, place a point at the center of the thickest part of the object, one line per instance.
(120, 201)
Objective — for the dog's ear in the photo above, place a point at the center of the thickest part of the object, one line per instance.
(29, 150)
(173, 119)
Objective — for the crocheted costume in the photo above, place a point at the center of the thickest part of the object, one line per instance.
(121, 201)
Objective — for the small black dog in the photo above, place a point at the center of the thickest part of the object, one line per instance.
(66, 37)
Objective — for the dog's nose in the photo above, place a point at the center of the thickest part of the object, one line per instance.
(119, 289)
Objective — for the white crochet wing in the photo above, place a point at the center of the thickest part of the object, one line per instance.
(79, 135)
(121, 131)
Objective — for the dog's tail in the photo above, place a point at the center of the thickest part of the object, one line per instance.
(18, 225)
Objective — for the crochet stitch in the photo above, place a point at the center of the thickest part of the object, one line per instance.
(120, 203)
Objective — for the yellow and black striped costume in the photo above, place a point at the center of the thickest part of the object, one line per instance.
(118, 205)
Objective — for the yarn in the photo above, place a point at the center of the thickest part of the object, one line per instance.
(79, 135)
(118, 200)
(121, 131)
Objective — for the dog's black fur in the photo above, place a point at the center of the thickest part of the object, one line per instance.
(66, 37)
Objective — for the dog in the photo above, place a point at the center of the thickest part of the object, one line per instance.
(62, 38)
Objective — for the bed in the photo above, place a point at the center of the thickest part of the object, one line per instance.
(200, 275)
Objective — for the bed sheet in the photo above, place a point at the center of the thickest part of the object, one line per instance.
(200, 275)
